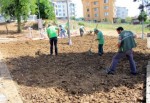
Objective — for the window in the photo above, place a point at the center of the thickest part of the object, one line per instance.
(59, 14)
(105, 7)
(88, 15)
(105, 1)
(106, 14)
(96, 15)
(95, 9)
(59, 6)
(88, 10)
(59, 10)
(64, 14)
(95, 2)
(88, 4)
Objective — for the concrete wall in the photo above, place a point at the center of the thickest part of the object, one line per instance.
(2, 19)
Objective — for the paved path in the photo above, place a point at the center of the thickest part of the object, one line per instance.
(148, 84)
(6, 40)
(8, 89)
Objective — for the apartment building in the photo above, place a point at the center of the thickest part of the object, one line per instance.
(121, 12)
(60, 7)
(148, 11)
(99, 10)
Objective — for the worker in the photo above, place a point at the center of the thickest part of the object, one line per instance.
(100, 39)
(125, 45)
(52, 35)
(62, 31)
(82, 29)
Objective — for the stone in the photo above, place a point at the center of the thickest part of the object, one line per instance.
(3, 98)
(148, 42)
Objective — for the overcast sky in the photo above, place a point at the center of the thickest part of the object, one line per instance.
(132, 7)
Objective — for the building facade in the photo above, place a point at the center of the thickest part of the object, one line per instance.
(99, 10)
(60, 7)
(148, 11)
(121, 12)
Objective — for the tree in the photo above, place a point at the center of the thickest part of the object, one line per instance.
(145, 4)
(73, 18)
(128, 19)
(142, 16)
(22, 8)
(17, 9)
(46, 10)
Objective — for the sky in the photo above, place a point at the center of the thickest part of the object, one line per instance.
(129, 4)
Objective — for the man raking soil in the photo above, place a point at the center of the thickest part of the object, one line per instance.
(125, 45)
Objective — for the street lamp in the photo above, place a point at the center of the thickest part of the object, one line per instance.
(68, 16)
(142, 19)
(141, 7)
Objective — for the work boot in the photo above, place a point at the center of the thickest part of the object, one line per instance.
(136, 73)
(100, 54)
(109, 72)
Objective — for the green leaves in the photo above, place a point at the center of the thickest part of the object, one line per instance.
(46, 10)
(142, 16)
(22, 8)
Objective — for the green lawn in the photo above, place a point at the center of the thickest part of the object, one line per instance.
(106, 26)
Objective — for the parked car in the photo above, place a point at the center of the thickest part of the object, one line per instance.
(135, 21)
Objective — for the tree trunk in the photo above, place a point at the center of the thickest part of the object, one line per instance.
(19, 23)
(6, 27)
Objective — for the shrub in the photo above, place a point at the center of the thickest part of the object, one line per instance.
(81, 23)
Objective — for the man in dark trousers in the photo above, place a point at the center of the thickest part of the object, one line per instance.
(101, 40)
(82, 29)
(125, 44)
(52, 34)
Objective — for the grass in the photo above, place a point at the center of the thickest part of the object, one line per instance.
(108, 26)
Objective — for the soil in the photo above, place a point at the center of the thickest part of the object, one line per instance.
(74, 76)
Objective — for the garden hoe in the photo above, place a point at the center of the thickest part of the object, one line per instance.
(90, 50)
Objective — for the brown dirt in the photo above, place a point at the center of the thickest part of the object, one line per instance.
(74, 76)
(12, 31)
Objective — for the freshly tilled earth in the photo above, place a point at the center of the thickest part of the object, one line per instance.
(74, 76)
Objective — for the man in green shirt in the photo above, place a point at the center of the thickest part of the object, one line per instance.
(52, 34)
(126, 43)
(100, 39)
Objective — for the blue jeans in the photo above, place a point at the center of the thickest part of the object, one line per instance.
(118, 56)
(100, 49)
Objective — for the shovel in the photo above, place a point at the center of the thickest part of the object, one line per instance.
(90, 50)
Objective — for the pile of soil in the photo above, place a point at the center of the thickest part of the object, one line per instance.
(74, 76)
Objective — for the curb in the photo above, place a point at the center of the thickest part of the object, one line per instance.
(148, 84)
(8, 88)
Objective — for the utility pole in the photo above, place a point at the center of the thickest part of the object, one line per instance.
(68, 16)
(142, 11)
(40, 22)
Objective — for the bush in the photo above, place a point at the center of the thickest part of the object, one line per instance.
(147, 22)
(81, 23)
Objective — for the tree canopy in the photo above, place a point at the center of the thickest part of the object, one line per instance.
(46, 10)
(16, 8)
(23, 8)
(142, 16)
